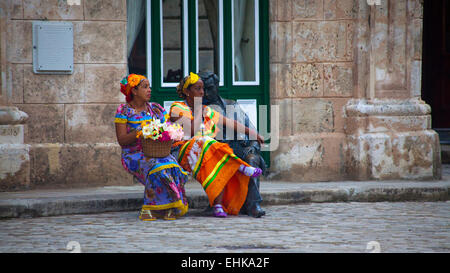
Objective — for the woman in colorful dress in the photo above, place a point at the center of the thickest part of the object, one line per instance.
(223, 175)
(163, 178)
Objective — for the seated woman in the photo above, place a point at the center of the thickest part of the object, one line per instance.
(163, 178)
(223, 175)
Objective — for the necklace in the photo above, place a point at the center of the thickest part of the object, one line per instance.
(145, 108)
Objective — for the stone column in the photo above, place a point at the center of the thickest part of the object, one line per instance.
(2, 53)
(14, 154)
(388, 126)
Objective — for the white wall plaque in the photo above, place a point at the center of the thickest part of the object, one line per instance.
(52, 47)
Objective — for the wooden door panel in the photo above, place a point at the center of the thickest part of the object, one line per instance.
(436, 61)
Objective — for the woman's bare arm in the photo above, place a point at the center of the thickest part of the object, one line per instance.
(123, 137)
(239, 127)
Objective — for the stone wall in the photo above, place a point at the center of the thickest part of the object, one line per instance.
(312, 70)
(345, 75)
(349, 91)
(70, 128)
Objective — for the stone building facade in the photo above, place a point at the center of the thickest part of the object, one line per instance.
(346, 75)
(69, 131)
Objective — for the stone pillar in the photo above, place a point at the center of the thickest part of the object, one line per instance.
(388, 126)
(2, 53)
(14, 154)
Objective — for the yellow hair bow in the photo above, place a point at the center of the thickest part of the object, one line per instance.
(193, 78)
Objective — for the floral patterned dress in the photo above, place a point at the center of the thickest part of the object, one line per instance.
(163, 178)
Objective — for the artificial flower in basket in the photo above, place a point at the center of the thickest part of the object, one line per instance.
(157, 137)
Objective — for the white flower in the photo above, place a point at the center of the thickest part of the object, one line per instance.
(165, 127)
(146, 131)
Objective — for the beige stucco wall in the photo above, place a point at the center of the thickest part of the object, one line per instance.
(348, 91)
(70, 129)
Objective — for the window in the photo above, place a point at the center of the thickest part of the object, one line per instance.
(173, 46)
(228, 37)
(245, 42)
(210, 37)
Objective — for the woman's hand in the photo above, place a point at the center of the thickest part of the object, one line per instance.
(260, 139)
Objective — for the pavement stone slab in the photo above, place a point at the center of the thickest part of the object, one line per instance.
(351, 227)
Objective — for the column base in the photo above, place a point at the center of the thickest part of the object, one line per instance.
(391, 139)
(14, 154)
(14, 167)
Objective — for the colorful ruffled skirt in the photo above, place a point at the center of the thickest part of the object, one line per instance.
(163, 179)
(214, 165)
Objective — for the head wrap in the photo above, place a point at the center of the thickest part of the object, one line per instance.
(128, 83)
(192, 79)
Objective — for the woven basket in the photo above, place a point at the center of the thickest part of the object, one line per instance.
(154, 148)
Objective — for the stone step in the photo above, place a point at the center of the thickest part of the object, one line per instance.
(42, 203)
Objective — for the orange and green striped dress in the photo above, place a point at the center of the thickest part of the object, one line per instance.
(211, 162)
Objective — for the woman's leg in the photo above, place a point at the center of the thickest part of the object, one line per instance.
(219, 199)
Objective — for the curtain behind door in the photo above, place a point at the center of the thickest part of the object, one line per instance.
(135, 19)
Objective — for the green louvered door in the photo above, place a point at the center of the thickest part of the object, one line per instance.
(228, 37)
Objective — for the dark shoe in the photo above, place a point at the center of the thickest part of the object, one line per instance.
(257, 173)
(256, 211)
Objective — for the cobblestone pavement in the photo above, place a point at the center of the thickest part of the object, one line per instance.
(316, 227)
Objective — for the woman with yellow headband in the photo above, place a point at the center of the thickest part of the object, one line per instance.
(223, 175)
(163, 178)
